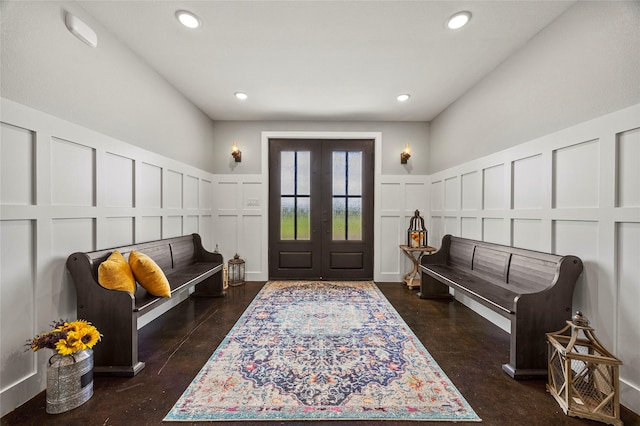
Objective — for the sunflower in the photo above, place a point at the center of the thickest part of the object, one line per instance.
(88, 336)
(69, 345)
(76, 325)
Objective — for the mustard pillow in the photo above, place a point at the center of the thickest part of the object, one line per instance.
(115, 274)
(148, 274)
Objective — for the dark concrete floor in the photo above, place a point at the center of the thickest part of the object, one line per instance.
(175, 346)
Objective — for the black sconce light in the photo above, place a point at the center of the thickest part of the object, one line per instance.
(236, 153)
(405, 155)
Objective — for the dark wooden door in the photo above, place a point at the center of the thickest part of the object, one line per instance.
(320, 209)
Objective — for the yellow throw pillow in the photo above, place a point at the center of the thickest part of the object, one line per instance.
(148, 274)
(115, 274)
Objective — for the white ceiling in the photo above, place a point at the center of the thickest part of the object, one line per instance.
(324, 60)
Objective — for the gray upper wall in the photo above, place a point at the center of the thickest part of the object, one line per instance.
(248, 135)
(108, 89)
(584, 65)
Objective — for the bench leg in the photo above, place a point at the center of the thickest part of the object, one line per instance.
(430, 288)
(210, 287)
(528, 352)
(117, 352)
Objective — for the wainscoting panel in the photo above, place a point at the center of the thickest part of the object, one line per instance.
(576, 175)
(190, 225)
(572, 192)
(526, 233)
(627, 294)
(17, 160)
(191, 192)
(73, 173)
(172, 227)
(172, 194)
(527, 190)
(119, 231)
(452, 194)
(493, 195)
(206, 194)
(17, 299)
(120, 186)
(66, 188)
(470, 228)
(390, 192)
(252, 234)
(628, 153)
(149, 186)
(471, 190)
(149, 228)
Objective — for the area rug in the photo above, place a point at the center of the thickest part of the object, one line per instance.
(321, 351)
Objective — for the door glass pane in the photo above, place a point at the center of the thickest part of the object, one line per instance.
(295, 191)
(339, 172)
(338, 223)
(355, 173)
(347, 196)
(354, 219)
(287, 172)
(303, 219)
(287, 219)
(303, 169)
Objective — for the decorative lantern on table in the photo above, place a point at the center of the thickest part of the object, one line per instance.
(583, 375)
(417, 233)
(236, 271)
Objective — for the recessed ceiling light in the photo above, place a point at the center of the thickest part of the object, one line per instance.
(458, 20)
(241, 95)
(188, 19)
(403, 97)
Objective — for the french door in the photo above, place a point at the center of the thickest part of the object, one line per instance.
(320, 209)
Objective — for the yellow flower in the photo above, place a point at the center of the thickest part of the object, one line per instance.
(88, 336)
(69, 345)
(76, 325)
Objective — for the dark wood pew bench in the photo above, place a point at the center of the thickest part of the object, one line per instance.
(534, 290)
(115, 313)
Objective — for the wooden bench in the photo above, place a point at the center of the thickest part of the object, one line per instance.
(533, 290)
(115, 313)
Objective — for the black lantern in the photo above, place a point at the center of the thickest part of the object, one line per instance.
(236, 271)
(417, 233)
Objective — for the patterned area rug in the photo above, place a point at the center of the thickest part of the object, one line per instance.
(320, 351)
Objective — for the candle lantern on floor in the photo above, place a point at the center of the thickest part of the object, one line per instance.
(583, 375)
(417, 233)
(236, 271)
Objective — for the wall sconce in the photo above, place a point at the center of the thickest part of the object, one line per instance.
(405, 155)
(236, 153)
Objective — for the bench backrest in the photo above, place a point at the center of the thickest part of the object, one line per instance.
(528, 270)
(169, 254)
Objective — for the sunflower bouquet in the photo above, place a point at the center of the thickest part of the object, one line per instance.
(66, 337)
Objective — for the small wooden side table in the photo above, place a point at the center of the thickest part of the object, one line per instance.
(412, 276)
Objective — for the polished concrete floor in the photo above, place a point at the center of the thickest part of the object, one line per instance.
(175, 346)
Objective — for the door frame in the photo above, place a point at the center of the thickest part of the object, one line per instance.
(377, 148)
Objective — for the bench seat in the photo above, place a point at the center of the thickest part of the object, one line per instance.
(490, 291)
(178, 281)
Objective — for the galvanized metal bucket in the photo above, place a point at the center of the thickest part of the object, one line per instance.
(69, 381)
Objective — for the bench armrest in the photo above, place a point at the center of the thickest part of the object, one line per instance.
(205, 255)
(439, 257)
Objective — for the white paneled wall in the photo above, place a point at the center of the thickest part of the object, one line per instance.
(400, 197)
(240, 221)
(65, 188)
(577, 192)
